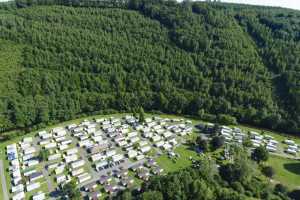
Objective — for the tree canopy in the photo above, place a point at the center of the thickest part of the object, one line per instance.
(224, 63)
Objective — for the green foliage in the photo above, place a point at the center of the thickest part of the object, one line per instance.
(44, 154)
(260, 154)
(217, 142)
(152, 195)
(207, 60)
(141, 115)
(202, 182)
(268, 171)
(71, 191)
(202, 144)
(227, 120)
(280, 189)
(240, 169)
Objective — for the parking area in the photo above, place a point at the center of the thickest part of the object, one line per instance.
(103, 156)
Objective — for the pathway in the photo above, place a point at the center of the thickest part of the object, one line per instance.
(3, 181)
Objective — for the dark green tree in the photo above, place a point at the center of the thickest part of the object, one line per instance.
(71, 191)
(44, 154)
(260, 154)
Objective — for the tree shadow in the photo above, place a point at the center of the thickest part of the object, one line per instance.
(292, 167)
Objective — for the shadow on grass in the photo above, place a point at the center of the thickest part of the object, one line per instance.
(292, 167)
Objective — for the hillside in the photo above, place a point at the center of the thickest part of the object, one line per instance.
(218, 62)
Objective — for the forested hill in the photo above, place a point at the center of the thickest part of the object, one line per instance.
(215, 61)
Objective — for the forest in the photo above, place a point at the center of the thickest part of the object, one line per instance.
(219, 62)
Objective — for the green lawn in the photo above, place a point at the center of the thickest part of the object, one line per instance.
(287, 171)
(171, 165)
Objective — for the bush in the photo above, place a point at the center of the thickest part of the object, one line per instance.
(295, 194)
(268, 171)
(227, 119)
(237, 186)
(260, 154)
(217, 142)
(279, 188)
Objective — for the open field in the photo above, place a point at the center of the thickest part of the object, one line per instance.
(287, 171)
(175, 164)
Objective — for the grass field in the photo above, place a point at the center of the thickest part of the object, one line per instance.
(287, 171)
(172, 165)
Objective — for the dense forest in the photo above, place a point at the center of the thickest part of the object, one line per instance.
(218, 62)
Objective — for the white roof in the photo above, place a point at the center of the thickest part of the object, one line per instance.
(117, 157)
(19, 196)
(32, 186)
(39, 196)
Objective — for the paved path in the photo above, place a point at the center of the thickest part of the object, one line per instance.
(49, 183)
(3, 181)
(44, 171)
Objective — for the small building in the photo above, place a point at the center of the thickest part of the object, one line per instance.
(19, 196)
(71, 158)
(39, 196)
(140, 157)
(72, 151)
(111, 153)
(99, 166)
(60, 178)
(84, 177)
(104, 179)
(145, 149)
(76, 172)
(90, 187)
(32, 162)
(117, 157)
(77, 164)
(50, 145)
(35, 176)
(54, 156)
(159, 144)
(60, 169)
(52, 166)
(289, 142)
(17, 188)
(134, 140)
(132, 153)
(97, 156)
(291, 151)
(32, 186)
(156, 138)
(94, 195)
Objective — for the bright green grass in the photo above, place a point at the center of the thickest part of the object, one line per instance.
(171, 165)
(287, 171)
